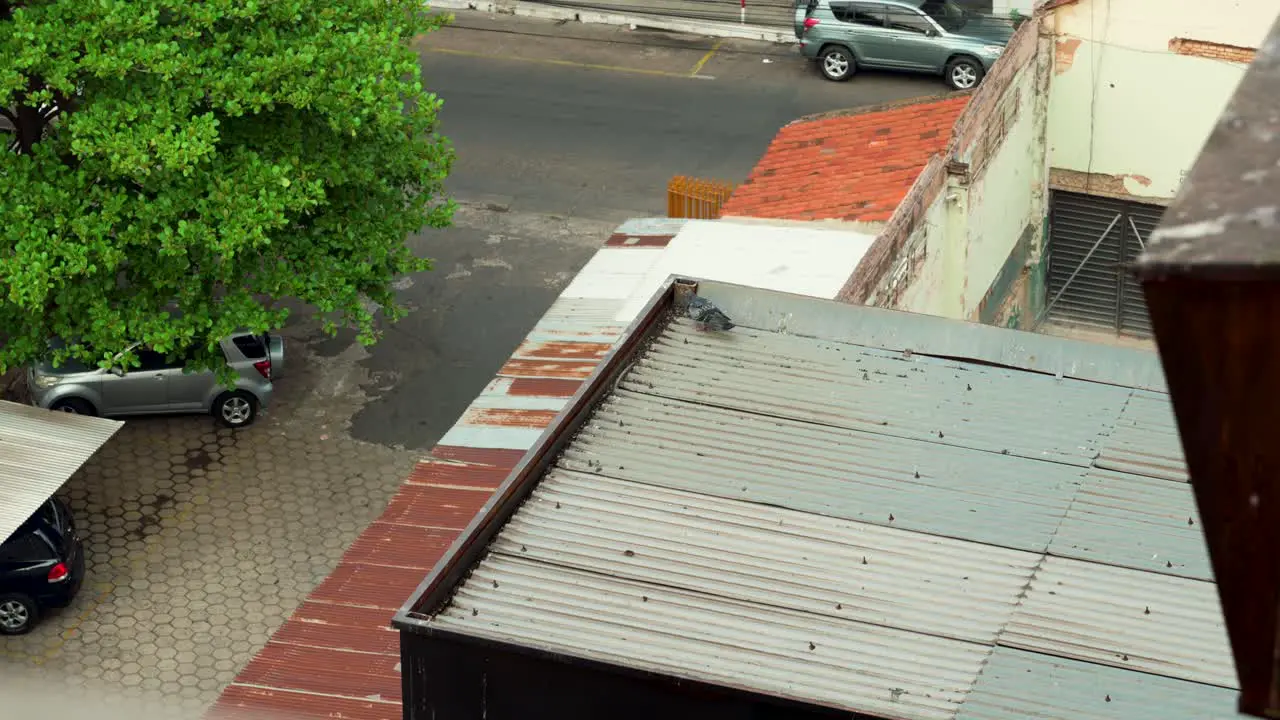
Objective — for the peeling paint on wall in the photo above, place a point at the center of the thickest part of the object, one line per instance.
(1065, 54)
(1124, 186)
(1212, 50)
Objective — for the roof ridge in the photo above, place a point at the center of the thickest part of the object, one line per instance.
(878, 107)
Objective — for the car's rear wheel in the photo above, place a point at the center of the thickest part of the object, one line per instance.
(75, 406)
(235, 409)
(964, 73)
(18, 614)
(837, 63)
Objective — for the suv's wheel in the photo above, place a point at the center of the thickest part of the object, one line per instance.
(18, 614)
(964, 73)
(74, 405)
(837, 63)
(235, 409)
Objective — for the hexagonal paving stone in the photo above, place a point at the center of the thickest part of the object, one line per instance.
(201, 541)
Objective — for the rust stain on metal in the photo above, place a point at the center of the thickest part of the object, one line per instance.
(368, 586)
(505, 458)
(543, 387)
(321, 670)
(338, 637)
(252, 703)
(624, 240)
(535, 368)
(438, 472)
(404, 546)
(434, 506)
(1065, 54)
(563, 350)
(510, 418)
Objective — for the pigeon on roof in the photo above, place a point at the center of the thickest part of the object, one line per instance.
(706, 316)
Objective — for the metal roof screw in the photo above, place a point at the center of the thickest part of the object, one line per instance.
(940, 434)
(644, 598)
(968, 387)
(1004, 452)
(557, 505)
(864, 559)
(839, 606)
(495, 583)
(524, 549)
(1108, 698)
(812, 646)
(474, 612)
(629, 553)
(1124, 657)
(917, 474)
(1191, 521)
(1146, 610)
(890, 517)
(1168, 563)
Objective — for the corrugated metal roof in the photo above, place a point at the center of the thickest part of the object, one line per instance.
(966, 405)
(853, 474)
(1137, 522)
(1115, 616)
(1145, 440)
(1018, 685)
(670, 630)
(716, 507)
(769, 556)
(39, 451)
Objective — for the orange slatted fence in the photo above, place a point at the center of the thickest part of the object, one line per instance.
(696, 198)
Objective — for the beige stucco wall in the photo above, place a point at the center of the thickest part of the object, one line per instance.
(1123, 108)
(1010, 194)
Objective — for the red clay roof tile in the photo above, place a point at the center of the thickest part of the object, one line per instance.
(851, 167)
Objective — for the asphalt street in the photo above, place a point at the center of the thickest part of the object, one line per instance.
(562, 132)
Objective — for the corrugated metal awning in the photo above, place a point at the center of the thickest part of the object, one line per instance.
(39, 451)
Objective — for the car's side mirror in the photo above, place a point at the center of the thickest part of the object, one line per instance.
(930, 32)
(117, 371)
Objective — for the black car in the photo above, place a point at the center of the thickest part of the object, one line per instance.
(41, 566)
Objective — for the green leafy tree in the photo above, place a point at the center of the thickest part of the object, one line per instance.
(178, 167)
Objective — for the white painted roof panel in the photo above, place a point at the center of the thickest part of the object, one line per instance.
(39, 451)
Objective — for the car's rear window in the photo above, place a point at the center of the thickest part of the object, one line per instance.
(251, 346)
(25, 547)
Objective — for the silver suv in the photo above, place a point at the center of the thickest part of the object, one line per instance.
(159, 386)
(923, 36)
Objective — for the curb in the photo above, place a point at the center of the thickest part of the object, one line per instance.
(709, 28)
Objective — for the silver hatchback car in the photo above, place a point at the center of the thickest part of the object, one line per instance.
(158, 386)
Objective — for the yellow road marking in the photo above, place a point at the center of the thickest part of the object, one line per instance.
(706, 58)
(569, 63)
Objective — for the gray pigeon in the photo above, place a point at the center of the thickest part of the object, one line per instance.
(706, 316)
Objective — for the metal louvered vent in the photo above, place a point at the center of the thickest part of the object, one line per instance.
(1092, 242)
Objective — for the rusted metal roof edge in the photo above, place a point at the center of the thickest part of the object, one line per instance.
(439, 584)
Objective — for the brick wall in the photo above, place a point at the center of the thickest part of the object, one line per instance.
(1212, 50)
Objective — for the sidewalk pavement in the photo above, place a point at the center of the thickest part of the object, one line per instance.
(769, 20)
